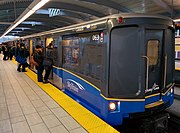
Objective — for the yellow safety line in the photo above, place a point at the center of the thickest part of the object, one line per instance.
(177, 69)
(84, 117)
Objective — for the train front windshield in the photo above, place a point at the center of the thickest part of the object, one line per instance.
(125, 62)
(141, 61)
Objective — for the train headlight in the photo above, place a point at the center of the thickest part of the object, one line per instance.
(112, 106)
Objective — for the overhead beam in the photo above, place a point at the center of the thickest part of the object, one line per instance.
(56, 21)
(43, 27)
(67, 19)
(163, 5)
(176, 15)
(19, 4)
(34, 29)
(7, 23)
(109, 3)
(35, 5)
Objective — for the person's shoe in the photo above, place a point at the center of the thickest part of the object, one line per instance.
(45, 81)
(19, 70)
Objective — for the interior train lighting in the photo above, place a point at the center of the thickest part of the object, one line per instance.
(31, 11)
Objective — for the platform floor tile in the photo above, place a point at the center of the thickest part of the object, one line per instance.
(27, 106)
(83, 116)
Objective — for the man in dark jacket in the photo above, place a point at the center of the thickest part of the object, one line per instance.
(22, 58)
(38, 57)
(49, 62)
(5, 51)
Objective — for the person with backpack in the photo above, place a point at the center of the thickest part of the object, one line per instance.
(21, 58)
(38, 58)
(48, 62)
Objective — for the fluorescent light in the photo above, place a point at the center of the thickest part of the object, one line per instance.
(31, 11)
(42, 11)
(32, 23)
(176, 20)
(22, 28)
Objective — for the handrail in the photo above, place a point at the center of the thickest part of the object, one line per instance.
(165, 70)
(147, 71)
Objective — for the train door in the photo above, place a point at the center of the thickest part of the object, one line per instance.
(154, 59)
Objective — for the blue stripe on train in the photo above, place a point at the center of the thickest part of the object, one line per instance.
(90, 98)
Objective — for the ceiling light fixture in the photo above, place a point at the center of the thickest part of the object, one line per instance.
(28, 14)
(176, 20)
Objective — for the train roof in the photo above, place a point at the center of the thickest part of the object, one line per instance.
(98, 21)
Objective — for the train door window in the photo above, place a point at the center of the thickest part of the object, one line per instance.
(125, 59)
(153, 52)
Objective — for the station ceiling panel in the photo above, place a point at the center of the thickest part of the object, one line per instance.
(60, 13)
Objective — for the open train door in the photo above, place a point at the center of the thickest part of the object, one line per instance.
(155, 65)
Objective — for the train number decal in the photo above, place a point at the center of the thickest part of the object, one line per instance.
(95, 37)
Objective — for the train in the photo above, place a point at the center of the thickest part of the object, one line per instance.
(119, 67)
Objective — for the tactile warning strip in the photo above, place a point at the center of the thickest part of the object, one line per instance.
(84, 117)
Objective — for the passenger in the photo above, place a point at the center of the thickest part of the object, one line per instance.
(10, 52)
(0, 49)
(21, 58)
(16, 49)
(38, 58)
(27, 54)
(5, 52)
(48, 62)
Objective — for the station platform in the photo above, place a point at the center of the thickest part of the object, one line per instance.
(27, 106)
(175, 108)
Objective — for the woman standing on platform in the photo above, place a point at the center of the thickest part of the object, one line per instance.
(38, 58)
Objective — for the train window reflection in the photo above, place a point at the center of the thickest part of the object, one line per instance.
(71, 51)
(153, 51)
(85, 55)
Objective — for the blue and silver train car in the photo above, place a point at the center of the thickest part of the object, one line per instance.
(118, 67)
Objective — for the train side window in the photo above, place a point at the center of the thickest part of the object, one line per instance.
(84, 54)
(153, 52)
(71, 50)
(93, 55)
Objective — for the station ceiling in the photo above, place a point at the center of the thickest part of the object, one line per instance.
(60, 13)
